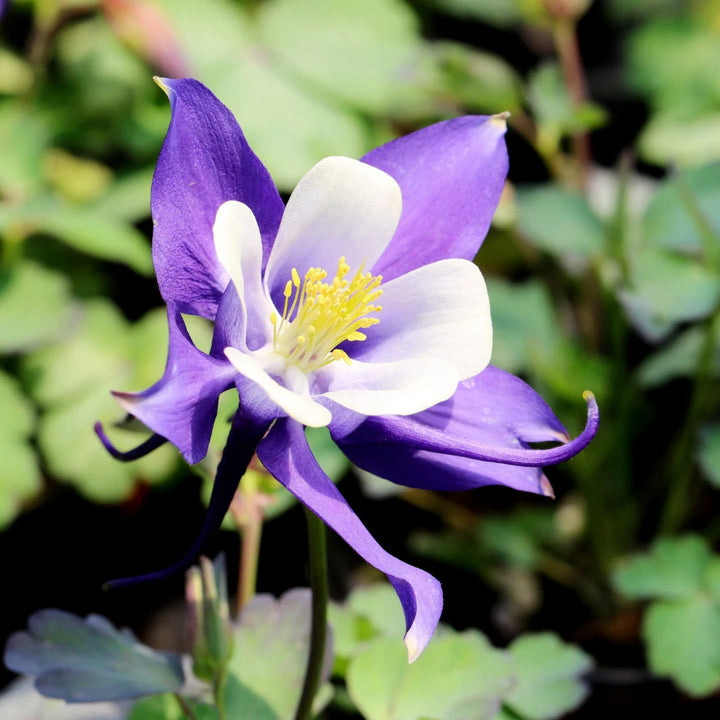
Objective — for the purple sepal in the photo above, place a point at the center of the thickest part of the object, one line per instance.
(245, 434)
(478, 437)
(451, 175)
(287, 456)
(182, 405)
(205, 161)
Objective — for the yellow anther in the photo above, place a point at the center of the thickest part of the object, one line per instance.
(341, 355)
(323, 315)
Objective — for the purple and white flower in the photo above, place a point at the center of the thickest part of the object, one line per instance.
(357, 307)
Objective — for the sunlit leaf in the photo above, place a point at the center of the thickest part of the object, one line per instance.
(494, 12)
(272, 641)
(686, 142)
(224, 51)
(683, 641)
(673, 569)
(20, 478)
(367, 54)
(72, 380)
(549, 676)
(458, 677)
(79, 226)
(35, 306)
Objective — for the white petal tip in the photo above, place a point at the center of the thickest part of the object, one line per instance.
(546, 488)
(414, 649)
(500, 120)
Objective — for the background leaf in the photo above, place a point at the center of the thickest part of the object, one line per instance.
(89, 660)
(271, 642)
(458, 677)
(549, 682)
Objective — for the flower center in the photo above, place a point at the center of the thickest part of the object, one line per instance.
(318, 316)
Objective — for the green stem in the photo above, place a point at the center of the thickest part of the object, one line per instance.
(681, 493)
(318, 631)
(219, 692)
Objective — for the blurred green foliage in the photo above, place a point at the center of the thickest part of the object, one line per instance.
(602, 278)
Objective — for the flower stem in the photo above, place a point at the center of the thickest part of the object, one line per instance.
(568, 50)
(318, 631)
(187, 710)
(249, 519)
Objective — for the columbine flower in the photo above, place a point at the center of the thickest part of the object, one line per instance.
(356, 307)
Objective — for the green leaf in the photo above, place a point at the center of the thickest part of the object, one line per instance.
(554, 111)
(458, 677)
(35, 306)
(16, 74)
(628, 9)
(72, 382)
(272, 641)
(686, 142)
(375, 487)
(378, 605)
(709, 453)
(331, 459)
(167, 707)
(224, 50)
(518, 539)
(20, 478)
(480, 81)
(671, 220)
(524, 323)
(684, 80)
(683, 642)
(94, 233)
(549, 680)
(561, 223)
(86, 660)
(365, 54)
(680, 357)
(667, 289)
(673, 569)
(24, 137)
(495, 12)
(128, 198)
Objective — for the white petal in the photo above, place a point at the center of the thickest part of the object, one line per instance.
(239, 248)
(438, 311)
(296, 403)
(394, 388)
(342, 207)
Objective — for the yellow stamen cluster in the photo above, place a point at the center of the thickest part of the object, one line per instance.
(318, 316)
